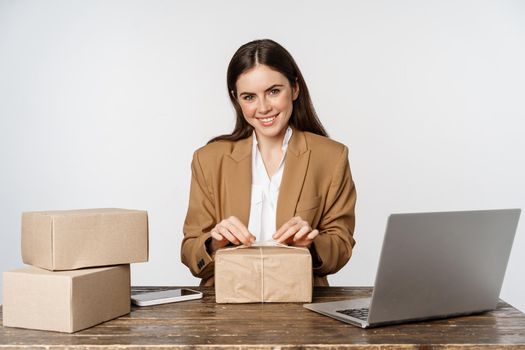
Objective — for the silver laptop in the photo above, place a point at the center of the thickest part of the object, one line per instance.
(434, 265)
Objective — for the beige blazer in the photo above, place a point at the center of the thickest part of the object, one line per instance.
(316, 185)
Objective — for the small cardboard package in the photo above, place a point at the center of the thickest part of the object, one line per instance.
(263, 273)
(65, 301)
(73, 239)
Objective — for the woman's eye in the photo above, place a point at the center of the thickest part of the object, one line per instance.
(248, 98)
(274, 91)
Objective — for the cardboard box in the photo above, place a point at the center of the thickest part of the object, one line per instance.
(73, 239)
(263, 274)
(65, 301)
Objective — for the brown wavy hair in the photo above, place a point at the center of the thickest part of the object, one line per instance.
(273, 55)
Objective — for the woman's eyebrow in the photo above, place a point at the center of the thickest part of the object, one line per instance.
(268, 89)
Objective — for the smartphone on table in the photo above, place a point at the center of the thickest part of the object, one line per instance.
(165, 296)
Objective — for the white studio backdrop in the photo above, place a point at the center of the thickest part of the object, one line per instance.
(102, 104)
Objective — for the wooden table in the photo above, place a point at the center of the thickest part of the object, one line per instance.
(203, 324)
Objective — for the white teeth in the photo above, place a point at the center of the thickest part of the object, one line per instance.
(267, 120)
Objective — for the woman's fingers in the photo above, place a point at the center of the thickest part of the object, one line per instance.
(297, 230)
(286, 227)
(282, 230)
(232, 230)
(242, 229)
(294, 226)
(217, 236)
(288, 233)
(306, 241)
(303, 231)
(313, 234)
(236, 232)
(227, 234)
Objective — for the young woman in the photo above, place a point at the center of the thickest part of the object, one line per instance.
(277, 176)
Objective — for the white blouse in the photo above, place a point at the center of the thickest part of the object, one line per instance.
(265, 191)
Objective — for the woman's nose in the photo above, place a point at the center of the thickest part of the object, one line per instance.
(263, 106)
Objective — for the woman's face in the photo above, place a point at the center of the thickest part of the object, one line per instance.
(266, 99)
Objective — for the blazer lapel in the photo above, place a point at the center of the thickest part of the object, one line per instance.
(295, 166)
(238, 179)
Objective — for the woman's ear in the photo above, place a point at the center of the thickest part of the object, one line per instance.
(295, 90)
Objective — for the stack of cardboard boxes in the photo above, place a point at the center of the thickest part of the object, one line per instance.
(80, 274)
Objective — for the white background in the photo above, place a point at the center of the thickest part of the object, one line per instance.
(102, 104)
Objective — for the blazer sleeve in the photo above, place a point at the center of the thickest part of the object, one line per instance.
(200, 219)
(335, 241)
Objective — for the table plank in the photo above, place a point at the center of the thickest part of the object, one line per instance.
(203, 324)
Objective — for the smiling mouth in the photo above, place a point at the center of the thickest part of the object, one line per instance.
(267, 121)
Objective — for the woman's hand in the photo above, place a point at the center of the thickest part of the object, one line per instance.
(230, 230)
(296, 232)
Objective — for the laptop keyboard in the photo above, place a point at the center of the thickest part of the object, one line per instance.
(361, 314)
